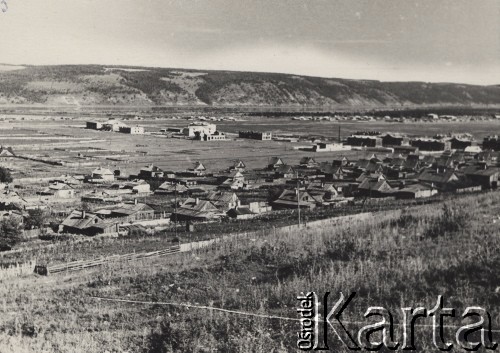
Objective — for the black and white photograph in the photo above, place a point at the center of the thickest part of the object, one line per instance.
(249, 176)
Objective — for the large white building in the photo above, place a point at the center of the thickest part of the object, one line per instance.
(199, 128)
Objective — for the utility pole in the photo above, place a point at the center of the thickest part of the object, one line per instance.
(175, 208)
(298, 196)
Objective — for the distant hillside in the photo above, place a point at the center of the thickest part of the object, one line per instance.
(132, 86)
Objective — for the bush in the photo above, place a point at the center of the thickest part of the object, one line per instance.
(35, 219)
(451, 220)
(5, 176)
(10, 233)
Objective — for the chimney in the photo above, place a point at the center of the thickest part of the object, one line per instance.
(197, 201)
(135, 201)
(84, 214)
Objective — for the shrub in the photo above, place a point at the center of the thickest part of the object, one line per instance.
(5, 176)
(451, 220)
(10, 233)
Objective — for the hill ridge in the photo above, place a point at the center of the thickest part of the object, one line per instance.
(124, 85)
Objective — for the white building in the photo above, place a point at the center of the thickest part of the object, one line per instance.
(330, 147)
(102, 174)
(199, 128)
(113, 125)
(133, 130)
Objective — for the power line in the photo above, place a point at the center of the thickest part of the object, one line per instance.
(244, 313)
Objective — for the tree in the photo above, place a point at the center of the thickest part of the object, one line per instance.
(10, 233)
(86, 207)
(35, 219)
(5, 176)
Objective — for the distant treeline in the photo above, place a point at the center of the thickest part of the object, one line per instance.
(409, 113)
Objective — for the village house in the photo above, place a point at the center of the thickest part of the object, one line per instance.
(308, 162)
(238, 166)
(374, 187)
(284, 171)
(150, 172)
(101, 197)
(71, 180)
(325, 193)
(86, 223)
(130, 187)
(58, 190)
(194, 209)
(126, 213)
(6, 153)
(438, 179)
(331, 172)
(10, 200)
(223, 200)
(483, 175)
(274, 163)
(169, 188)
(101, 175)
(198, 169)
(293, 199)
(234, 181)
(415, 191)
(491, 143)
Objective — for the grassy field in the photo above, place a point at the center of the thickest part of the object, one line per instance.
(64, 140)
(398, 258)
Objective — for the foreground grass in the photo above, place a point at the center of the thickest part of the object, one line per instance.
(401, 258)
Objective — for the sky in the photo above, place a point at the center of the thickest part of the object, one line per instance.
(388, 40)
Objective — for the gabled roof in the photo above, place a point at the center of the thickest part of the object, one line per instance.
(374, 185)
(6, 152)
(412, 164)
(123, 210)
(275, 161)
(239, 164)
(169, 187)
(307, 160)
(331, 169)
(102, 171)
(11, 197)
(81, 220)
(221, 198)
(480, 170)
(235, 174)
(199, 166)
(151, 168)
(431, 176)
(326, 187)
(290, 197)
(198, 206)
(285, 169)
(416, 188)
(60, 186)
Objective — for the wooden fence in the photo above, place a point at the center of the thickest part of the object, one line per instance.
(83, 264)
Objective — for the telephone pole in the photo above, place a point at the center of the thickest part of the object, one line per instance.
(175, 208)
(298, 195)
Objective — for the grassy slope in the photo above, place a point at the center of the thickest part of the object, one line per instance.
(98, 85)
(389, 261)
